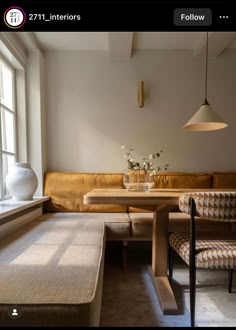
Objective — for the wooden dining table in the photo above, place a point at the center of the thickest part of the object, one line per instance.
(165, 201)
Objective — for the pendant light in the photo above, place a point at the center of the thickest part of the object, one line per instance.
(205, 119)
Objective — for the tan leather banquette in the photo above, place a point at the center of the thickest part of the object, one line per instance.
(66, 191)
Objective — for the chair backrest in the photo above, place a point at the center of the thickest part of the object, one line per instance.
(218, 206)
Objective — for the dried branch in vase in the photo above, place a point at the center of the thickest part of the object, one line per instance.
(148, 164)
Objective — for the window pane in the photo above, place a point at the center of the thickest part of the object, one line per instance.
(8, 137)
(7, 161)
(6, 86)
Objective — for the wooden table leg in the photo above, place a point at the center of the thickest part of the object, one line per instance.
(160, 262)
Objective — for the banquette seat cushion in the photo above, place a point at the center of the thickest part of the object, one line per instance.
(141, 224)
(52, 269)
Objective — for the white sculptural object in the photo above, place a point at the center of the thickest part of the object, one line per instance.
(21, 181)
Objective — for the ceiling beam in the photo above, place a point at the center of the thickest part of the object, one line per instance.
(120, 45)
(218, 41)
(29, 40)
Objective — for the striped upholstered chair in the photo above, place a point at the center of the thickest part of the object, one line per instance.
(205, 250)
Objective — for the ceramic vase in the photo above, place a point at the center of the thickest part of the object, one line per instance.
(21, 181)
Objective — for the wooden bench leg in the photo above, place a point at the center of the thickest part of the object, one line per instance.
(124, 254)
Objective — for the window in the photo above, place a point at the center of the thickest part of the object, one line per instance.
(8, 153)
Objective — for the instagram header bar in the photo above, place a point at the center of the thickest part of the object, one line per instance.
(117, 16)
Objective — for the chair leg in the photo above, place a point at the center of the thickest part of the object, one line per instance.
(192, 264)
(192, 275)
(230, 280)
(170, 262)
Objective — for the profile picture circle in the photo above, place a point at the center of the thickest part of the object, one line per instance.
(14, 17)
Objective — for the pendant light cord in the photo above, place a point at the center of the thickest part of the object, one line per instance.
(206, 102)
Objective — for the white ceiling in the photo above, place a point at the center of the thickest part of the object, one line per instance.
(166, 40)
(122, 45)
(73, 40)
(141, 40)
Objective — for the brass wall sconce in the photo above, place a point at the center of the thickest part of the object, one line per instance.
(141, 94)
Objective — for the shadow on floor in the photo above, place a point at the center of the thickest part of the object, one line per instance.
(129, 298)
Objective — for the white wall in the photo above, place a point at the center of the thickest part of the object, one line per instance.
(92, 109)
(35, 115)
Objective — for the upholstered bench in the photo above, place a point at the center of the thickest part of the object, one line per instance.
(52, 269)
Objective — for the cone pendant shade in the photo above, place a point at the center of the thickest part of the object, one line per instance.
(205, 119)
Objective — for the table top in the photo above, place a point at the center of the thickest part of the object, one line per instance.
(153, 197)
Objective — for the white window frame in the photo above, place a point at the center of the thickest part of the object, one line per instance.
(13, 111)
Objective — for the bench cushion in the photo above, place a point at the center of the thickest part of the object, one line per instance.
(66, 191)
(117, 225)
(53, 269)
(141, 224)
(179, 222)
